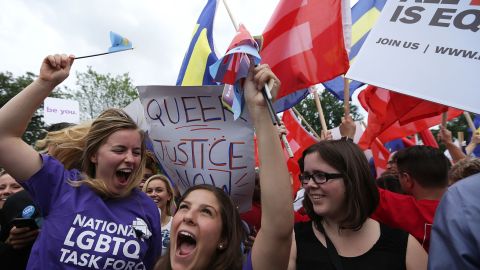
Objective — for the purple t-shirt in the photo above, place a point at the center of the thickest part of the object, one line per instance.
(83, 231)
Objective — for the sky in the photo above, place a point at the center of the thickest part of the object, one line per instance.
(159, 30)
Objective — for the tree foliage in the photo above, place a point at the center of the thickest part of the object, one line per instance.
(10, 86)
(98, 92)
(95, 92)
(332, 110)
(456, 125)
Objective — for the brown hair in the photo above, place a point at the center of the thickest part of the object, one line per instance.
(361, 194)
(232, 231)
(164, 179)
(463, 168)
(151, 162)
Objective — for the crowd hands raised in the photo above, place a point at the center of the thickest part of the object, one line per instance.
(97, 176)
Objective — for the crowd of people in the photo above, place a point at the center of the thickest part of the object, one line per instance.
(91, 196)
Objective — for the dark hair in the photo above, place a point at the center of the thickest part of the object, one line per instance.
(361, 194)
(232, 231)
(389, 182)
(427, 165)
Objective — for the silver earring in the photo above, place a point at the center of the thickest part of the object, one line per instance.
(220, 246)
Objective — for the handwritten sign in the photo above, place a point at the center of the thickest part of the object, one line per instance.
(426, 49)
(57, 110)
(197, 141)
(135, 111)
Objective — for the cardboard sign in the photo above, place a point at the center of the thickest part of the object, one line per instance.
(197, 142)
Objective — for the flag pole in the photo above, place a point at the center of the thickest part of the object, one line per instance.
(299, 115)
(471, 125)
(444, 119)
(460, 139)
(346, 96)
(230, 14)
(98, 54)
(320, 110)
(265, 91)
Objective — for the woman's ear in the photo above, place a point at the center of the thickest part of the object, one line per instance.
(93, 159)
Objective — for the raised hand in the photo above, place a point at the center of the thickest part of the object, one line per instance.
(347, 127)
(55, 69)
(254, 83)
(475, 138)
(326, 135)
(445, 135)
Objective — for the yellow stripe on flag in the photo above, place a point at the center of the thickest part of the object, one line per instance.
(198, 60)
(364, 24)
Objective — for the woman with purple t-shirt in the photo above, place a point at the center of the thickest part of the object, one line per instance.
(95, 218)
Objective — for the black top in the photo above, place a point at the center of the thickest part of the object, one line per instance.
(388, 253)
(10, 258)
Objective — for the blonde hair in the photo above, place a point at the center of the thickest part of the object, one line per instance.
(66, 145)
(170, 203)
(107, 123)
(463, 168)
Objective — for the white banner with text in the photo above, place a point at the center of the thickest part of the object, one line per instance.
(427, 49)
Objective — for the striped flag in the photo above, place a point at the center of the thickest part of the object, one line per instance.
(364, 16)
(201, 53)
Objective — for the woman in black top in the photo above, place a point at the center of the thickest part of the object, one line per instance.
(340, 195)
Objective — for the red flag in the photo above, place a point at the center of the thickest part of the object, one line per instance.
(428, 139)
(299, 139)
(393, 115)
(380, 156)
(303, 43)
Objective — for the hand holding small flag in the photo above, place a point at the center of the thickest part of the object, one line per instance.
(119, 44)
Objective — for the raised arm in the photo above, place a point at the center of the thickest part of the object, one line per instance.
(473, 143)
(445, 136)
(272, 245)
(18, 158)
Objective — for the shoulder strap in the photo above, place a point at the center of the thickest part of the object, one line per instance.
(332, 252)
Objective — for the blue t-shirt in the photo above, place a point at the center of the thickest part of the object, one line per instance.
(83, 231)
(455, 240)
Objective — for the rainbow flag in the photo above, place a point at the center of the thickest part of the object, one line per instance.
(201, 53)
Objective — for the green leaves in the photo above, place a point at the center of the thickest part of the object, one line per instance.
(332, 109)
(97, 92)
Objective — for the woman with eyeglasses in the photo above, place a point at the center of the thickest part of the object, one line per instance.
(340, 195)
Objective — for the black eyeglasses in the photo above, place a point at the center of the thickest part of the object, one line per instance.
(318, 177)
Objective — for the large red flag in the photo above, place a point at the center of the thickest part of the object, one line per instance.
(380, 156)
(303, 43)
(299, 139)
(428, 139)
(393, 115)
